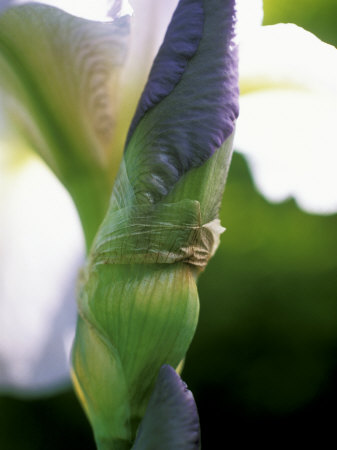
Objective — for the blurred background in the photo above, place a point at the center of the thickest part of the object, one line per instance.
(263, 364)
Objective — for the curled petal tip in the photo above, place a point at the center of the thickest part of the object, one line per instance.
(171, 421)
(190, 103)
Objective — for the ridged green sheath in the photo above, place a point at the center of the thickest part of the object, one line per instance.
(137, 296)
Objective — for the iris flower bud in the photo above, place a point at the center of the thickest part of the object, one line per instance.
(137, 296)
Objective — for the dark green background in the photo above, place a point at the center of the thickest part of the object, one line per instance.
(263, 364)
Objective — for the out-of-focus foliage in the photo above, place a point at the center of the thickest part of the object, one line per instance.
(317, 16)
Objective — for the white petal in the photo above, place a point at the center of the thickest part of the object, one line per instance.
(149, 24)
(63, 97)
(249, 15)
(287, 55)
(100, 10)
(287, 130)
(42, 249)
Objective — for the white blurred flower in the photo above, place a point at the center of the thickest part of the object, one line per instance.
(42, 248)
(101, 10)
(249, 14)
(288, 111)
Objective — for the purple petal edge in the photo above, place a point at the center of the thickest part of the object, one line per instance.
(171, 421)
(180, 44)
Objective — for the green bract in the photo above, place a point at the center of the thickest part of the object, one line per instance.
(138, 298)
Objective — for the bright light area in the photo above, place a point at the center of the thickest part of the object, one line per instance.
(249, 15)
(42, 249)
(102, 10)
(287, 123)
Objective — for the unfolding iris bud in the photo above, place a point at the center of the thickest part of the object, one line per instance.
(137, 298)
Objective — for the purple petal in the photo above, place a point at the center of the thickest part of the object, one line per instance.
(171, 421)
(190, 104)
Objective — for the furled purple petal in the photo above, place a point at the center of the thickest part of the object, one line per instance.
(171, 420)
(183, 118)
(180, 44)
